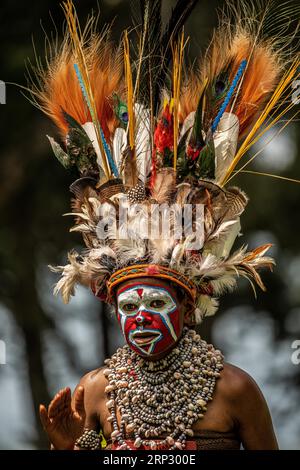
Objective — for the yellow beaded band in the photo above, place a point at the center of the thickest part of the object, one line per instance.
(151, 270)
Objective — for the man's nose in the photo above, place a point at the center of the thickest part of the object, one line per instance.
(143, 318)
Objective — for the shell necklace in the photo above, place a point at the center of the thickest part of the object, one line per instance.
(165, 397)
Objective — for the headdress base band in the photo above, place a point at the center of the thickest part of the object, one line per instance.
(151, 270)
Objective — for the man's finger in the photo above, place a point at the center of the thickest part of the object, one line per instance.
(56, 405)
(79, 401)
(44, 417)
(67, 408)
(61, 404)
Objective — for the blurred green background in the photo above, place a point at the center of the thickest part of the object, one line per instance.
(49, 345)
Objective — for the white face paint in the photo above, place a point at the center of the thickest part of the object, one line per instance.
(149, 318)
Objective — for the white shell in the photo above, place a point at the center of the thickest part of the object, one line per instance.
(138, 442)
(153, 445)
(110, 404)
(122, 384)
(186, 364)
(170, 440)
(201, 402)
(130, 427)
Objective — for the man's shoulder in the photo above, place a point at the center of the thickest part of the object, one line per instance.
(235, 383)
(94, 382)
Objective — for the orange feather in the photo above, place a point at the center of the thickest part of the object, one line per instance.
(261, 77)
(58, 87)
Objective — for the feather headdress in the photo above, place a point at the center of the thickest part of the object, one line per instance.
(154, 141)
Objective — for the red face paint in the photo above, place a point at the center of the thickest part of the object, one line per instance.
(149, 317)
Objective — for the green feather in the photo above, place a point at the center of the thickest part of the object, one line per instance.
(183, 163)
(121, 111)
(80, 148)
(196, 140)
(205, 165)
(220, 86)
(82, 152)
(60, 154)
(72, 123)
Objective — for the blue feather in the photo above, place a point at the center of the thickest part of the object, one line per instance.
(229, 95)
(108, 154)
(104, 143)
(82, 86)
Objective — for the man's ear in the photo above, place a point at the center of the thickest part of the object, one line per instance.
(114, 303)
(189, 319)
(188, 315)
(112, 309)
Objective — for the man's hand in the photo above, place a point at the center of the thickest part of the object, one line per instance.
(63, 422)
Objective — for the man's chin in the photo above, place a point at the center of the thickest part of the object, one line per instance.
(151, 356)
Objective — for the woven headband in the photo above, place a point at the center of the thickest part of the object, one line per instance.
(146, 270)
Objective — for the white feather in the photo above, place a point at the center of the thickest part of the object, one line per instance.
(223, 284)
(130, 250)
(177, 255)
(223, 240)
(207, 306)
(143, 141)
(226, 139)
(90, 130)
(188, 124)
(81, 228)
(98, 252)
(119, 145)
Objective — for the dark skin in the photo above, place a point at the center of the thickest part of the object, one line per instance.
(238, 406)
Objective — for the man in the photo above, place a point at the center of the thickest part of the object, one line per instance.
(159, 221)
(237, 414)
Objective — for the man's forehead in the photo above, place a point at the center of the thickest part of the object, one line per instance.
(141, 289)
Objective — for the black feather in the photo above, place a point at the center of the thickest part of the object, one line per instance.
(150, 65)
(158, 46)
(179, 16)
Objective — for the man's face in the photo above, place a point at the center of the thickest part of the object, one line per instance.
(150, 318)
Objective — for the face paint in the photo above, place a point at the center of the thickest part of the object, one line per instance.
(149, 318)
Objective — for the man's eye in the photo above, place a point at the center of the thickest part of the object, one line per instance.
(129, 307)
(157, 304)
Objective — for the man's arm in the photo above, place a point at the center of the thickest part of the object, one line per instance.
(91, 420)
(65, 419)
(250, 412)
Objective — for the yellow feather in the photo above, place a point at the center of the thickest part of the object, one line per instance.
(270, 175)
(178, 51)
(130, 93)
(77, 41)
(241, 170)
(273, 104)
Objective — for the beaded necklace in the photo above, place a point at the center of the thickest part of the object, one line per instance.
(163, 397)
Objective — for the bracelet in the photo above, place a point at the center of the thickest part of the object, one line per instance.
(89, 440)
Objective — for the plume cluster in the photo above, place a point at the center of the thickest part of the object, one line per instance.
(145, 131)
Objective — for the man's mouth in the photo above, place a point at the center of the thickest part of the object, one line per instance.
(145, 337)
